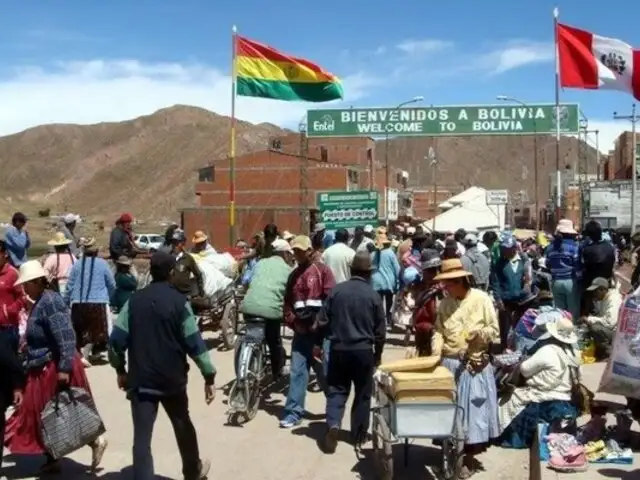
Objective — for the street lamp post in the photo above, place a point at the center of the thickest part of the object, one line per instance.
(506, 98)
(416, 99)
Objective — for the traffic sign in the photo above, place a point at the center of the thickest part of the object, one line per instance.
(348, 209)
(497, 197)
(442, 121)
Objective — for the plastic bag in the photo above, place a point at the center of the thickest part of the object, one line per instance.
(224, 262)
(588, 354)
(214, 280)
(622, 375)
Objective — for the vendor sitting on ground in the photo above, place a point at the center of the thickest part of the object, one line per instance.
(546, 394)
(525, 334)
(603, 323)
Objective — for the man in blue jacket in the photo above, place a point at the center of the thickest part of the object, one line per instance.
(510, 282)
(17, 238)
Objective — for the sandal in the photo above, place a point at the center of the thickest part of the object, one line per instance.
(466, 472)
(97, 452)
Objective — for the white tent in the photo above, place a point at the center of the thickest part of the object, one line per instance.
(471, 212)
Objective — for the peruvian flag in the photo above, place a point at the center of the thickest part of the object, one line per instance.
(589, 61)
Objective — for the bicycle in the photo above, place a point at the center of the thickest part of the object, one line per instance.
(251, 367)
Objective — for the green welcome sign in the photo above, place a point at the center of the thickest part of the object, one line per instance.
(443, 121)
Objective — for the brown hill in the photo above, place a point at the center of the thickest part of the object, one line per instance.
(500, 162)
(146, 165)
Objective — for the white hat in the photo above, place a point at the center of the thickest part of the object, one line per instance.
(280, 245)
(562, 330)
(287, 235)
(368, 229)
(30, 271)
(70, 218)
(411, 230)
(566, 226)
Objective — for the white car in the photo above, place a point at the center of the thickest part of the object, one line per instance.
(149, 242)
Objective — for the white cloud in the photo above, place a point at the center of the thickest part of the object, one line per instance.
(428, 45)
(517, 54)
(104, 91)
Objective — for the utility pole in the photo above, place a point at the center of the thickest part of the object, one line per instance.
(387, 180)
(304, 176)
(433, 162)
(633, 118)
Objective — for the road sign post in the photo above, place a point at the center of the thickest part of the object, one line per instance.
(443, 121)
(497, 198)
(348, 209)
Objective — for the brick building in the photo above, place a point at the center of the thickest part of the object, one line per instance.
(272, 187)
(424, 207)
(619, 163)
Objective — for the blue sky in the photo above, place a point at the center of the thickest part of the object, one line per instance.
(90, 61)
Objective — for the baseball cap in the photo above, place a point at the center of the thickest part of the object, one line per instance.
(280, 245)
(70, 218)
(470, 239)
(301, 242)
(598, 282)
(411, 230)
(320, 227)
(508, 242)
(368, 229)
(178, 235)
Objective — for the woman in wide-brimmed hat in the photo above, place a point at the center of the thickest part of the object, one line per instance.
(59, 262)
(385, 278)
(465, 329)
(550, 374)
(51, 362)
(88, 293)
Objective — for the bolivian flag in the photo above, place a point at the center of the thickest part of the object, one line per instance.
(262, 71)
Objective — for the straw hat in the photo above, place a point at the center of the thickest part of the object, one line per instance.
(122, 260)
(29, 271)
(199, 237)
(59, 240)
(89, 244)
(451, 269)
(562, 330)
(566, 226)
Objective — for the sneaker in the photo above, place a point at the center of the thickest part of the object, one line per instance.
(290, 421)
(331, 440)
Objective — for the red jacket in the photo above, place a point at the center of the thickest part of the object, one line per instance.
(307, 288)
(11, 297)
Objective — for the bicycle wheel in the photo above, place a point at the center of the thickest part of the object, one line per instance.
(254, 376)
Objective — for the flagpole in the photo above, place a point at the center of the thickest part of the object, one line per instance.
(232, 142)
(557, 101)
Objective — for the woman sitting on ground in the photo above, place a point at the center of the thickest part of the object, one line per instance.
(549, 375)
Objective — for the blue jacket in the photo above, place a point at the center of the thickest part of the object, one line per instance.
(507, 283)
(90, 281)
(18, 242)
(386, 270)
(564, 260)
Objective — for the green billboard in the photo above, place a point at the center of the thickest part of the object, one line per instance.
(348, 209)
(443, 121)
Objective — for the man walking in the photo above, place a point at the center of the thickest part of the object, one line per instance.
(158, 330)
(355, 322)
(338, 257)
(474, 261)
(307, 287)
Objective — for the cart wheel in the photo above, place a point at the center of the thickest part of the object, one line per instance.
(228, 325)
(452, 459)
(382, 450)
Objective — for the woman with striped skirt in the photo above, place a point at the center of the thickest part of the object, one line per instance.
(466, 326)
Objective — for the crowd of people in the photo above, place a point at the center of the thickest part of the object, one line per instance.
(477, 304)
